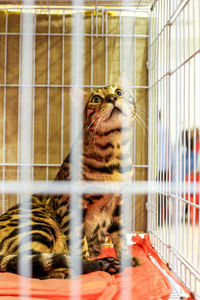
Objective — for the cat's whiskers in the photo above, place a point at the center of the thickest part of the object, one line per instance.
(141, 108)
(95, 131)
(90, 125)
(141, 123)
(142, 114)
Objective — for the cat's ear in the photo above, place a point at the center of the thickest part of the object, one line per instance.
(77, 95)
(124, 82)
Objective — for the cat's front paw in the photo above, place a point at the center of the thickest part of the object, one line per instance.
(110, 265)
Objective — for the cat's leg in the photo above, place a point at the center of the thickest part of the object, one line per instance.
(107, 264)
(118, 237)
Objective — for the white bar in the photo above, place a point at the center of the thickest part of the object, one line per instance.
(106, 48)
(194, 134)
(76, 153)
(65, 9)
(67, 86)
(4, 111)
(139, 187)
(92, 45)
(33, 96)
(184, 130)
(48, 85)
(189, 94)
(63, 91)
(149, 204)
(198, 259)
(127, 62)
(138, 36)
(19, 111)
(134, 126)
(51, 165)
(25, 154)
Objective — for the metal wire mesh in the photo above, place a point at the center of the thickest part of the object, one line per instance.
(174, 64)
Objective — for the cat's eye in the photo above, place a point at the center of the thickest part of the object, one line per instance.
(119, 92)
(96, 99)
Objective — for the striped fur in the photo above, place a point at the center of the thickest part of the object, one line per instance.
(105, 110)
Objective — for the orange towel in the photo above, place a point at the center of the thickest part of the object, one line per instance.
(142, 283)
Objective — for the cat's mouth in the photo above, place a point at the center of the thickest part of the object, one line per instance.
(115, 112)
(115, 120)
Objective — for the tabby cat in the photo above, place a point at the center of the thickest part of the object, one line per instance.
(104, 111)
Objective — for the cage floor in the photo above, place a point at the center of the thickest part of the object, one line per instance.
(145, 282)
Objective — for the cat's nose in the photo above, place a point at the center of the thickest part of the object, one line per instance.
(111, 98)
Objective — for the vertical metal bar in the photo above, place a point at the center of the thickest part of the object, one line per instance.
(198, 90)
(19, 109)
(156, 118)
(48, 92)
(134, 126)
(127, 64)
(167, 130)
(194, 134)
(92, 50)
(63, 90)
(4, 109)
(170, 118)
(184, 134)
(102, 22)
(120, 42)
(180, 134)
(150, 138)
(188, 163)
(106, 49)
(96, 11)
(177, 138)
(76, 154)
(26, 106)
(33, 97)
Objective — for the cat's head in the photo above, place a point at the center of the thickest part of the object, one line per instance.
(108, 109)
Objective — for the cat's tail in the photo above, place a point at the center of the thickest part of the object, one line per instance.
(43, 265)
(49, 265)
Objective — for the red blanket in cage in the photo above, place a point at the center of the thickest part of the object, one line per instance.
(144, 282)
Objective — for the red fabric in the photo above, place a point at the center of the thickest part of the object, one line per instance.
(140, 283)
(194, 212)
(197, 146)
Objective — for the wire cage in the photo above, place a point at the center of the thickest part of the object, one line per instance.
(47, 47)
(174, 224)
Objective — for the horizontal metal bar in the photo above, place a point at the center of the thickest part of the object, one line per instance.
(28, 165)
(171, 72)
(186, 61)
(82, 187)
(102, 6)
(73, 34)
(49, 165)
(171, 20)
(180, 198)
(159, 34)
(65, 86)
(177, 11)
(159, 80)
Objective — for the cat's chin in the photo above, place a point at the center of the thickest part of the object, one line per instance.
(113, 120)
(112, 125)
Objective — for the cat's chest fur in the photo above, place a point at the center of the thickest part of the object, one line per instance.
(99, 212)
(98, 219)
